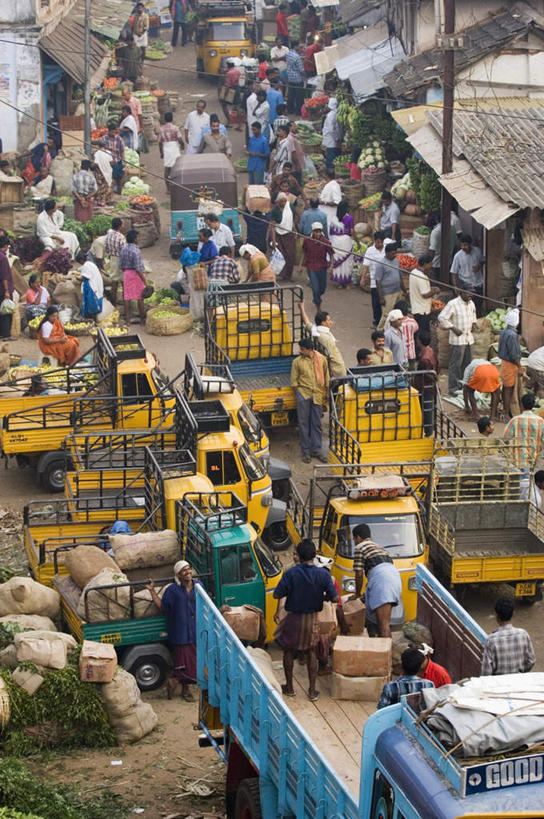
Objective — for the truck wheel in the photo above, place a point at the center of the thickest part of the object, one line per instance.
(281, 490)
(535, 598)
(150, 672)
(53, 476)
(277, 536)
(248, 800)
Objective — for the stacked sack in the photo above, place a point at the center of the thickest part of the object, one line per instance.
(131, 718)
(361, 667)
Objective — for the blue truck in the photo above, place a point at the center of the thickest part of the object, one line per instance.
(307, 760)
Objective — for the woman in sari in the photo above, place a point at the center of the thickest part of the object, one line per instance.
(102, 170)
(259, 268)
(340, 229)
(39, 156)
(54, 342)
(36, 297)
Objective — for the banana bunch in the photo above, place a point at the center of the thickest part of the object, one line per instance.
(35, 322)
(76, 325)
(115, 331)
(343, 112)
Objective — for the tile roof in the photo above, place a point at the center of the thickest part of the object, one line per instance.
(107, 16)
(479, 40)
(65, 46)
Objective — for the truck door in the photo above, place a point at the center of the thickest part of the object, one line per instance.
(240, 578)
(138, 409)
(223, 471)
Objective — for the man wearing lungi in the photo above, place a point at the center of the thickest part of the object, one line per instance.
(483, 376)
(384, 586)
(305, 587)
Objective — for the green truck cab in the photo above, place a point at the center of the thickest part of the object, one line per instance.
(227, 557)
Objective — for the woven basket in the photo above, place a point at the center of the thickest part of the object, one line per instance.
(373, 182)
(352, 191)
(178, 322)
(147, 233)
(83, 331)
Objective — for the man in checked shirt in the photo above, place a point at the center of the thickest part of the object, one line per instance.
(507, 650)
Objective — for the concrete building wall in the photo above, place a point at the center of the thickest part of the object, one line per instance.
(20, 88)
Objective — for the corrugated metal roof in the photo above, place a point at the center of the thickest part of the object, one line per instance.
(479, 40)
(362, 12)
(413, 118)
(107, 16)
(326, 60)
(366, 68)
(65, 46)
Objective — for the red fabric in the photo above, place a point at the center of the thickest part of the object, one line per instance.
(437, 674)
(309, 58)
(263, 67)
(232, 77)
(281, 24)
(316, 253)
(184, 663)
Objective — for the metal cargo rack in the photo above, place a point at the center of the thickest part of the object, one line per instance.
(212, 510)
(61, 511)
(217, 377)
(161, 466)
(468, 472)
(111, 450)
(210, 416)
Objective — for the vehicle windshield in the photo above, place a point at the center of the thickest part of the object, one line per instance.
(227, 31)
(249, 425)
(400, 534)
(270, 564)
(252, 465)
(160, 380)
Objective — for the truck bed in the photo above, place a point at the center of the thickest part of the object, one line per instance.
(485, 543)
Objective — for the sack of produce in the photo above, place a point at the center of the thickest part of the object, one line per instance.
(245, 621)
(30, 681)
(85, 562)
(443, 352)
(98, 603)
(263, 659)
(67, 639)
(41, 651)
(417, 633)
(30, 622)
(135, 723)
(8, 656)
(22, 595)
(121, 694)
(258, 198)
(146, 550)
(144, 605)
(68, 293)
(484, 337)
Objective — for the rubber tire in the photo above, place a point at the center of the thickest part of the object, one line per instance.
(248, 800)
(49, 480)
(277, 537)
(281, 490)
(530, 601)
(162, 670)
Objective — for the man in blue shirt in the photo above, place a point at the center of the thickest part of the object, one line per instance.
(311, 215)
(274, 97)
(295, 79)
(409, 683)
(305, 587)
(258, 152)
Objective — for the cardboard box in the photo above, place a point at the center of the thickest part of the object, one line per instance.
(327, 618)
(354, 612)
(362, 656)
(243, 620)
(97, 662)
(258, 198)
(367, 689)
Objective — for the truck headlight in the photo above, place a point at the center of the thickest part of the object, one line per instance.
(412, 583)
(267, 499)
(212, 52)
(243, 52)
(348, 585)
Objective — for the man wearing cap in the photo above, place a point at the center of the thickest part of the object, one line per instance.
(387, 276)
(409, 683)
(318, 258)
(510, 355)
(430, 670)
(483, 376)
(394, 339)
(178, 603)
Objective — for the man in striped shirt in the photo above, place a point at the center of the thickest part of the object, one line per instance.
(409, 682)
(526, 432)
(459, 317)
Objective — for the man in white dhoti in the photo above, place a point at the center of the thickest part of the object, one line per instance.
(49, 229)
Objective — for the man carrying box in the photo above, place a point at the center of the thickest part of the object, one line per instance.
(384, 586)
(305, 587)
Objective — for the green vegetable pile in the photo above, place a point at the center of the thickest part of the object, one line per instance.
(86, 232)
(64, 712)
(425, 184)
(135, 186)
(164, 296)
(497, 319)
(400, 188)
(24, 796)
(423, 230)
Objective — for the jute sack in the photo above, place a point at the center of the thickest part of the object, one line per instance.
(146, 550)
(40, 650)
(105, 604)
(22, 595)
(122, 694)
(8, 656)
(30, 622)
(61, 636)
(443, 352)
(144, 606)
(134, 723)
(264, 661)
(86, 561)
(483, 338)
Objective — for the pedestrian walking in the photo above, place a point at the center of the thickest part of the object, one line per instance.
(281, 24)
(321, 330)
(340, 233)
(258, 152)
(510, 354)
(170, 145)
(84, 187)
(310, 216)
(215, 142)
(281, 233)
(459, 317)
(305, 587)
(409, 327)
(507, 650)
(384, 586)
(331, 196)
(393, 338)
(115, 146)
(295, 79)
(140, 29)
(467, 269)
(257, 226)
(318, 259)
(526, 433)
(310, 379)
(421, 291)
(373, 255)
(134, 104)
(178, 11)
(195, 122)
(113, 244)
(6, 287)
(131, 263)
(389, 283)
(332, 134)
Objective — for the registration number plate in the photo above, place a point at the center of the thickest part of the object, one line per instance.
(525, 589)
(279, 419)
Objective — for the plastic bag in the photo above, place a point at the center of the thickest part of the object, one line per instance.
(309, 166)
(189, 257)
(277, 261)
(7, 307)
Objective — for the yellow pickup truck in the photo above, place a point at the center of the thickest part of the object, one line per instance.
(223, 30)
(127, 392)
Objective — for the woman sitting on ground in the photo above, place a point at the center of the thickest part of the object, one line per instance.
(53, 341)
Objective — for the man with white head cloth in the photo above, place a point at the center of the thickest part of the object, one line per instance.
(178, 603)
(332, 134)
(510, 355)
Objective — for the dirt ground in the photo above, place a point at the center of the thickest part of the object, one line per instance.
(151, 772)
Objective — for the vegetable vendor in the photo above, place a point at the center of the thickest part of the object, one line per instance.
(54, 342)
(49, 229)
(483, 376)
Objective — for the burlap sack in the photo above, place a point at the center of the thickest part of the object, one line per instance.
(400, 643)
(144, 605)
(30, 622)
(8, 656)
(66, 293)
(264, 661)
(61, 636)
(28, 680)
(483, 338)
(146, 550)
(22, 595)
(98, 604)
(40, 650)
(134, 723)
(417, 633)
(85, 562)
(120, 695)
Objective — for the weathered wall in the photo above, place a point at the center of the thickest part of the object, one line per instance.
(20, 87)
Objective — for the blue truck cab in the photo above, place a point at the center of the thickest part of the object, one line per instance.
(294, 759)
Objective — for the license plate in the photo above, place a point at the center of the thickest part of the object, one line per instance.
(525, 589)
(279, 419)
